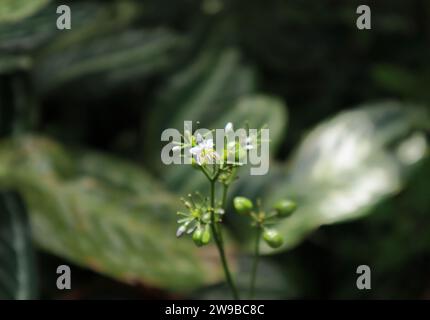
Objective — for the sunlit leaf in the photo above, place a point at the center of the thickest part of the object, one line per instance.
(349, 164)
(14, 10)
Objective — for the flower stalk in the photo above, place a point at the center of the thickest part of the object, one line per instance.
(205, 215)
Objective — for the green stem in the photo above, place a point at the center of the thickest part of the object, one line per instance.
(255, 264)
(220, 244)
(224, 196)
(205, 173)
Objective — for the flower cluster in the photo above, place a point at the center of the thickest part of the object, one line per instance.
(197, 219)
(203, 151)
(265, 221)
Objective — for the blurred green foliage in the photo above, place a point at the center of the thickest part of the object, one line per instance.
(129, 69)
(18, 277)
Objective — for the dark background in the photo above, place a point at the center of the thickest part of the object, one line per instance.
(308, 53)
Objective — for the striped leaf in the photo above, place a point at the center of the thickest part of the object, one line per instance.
(15, 10)
(108, 61)
(105, 214)
(17, 266)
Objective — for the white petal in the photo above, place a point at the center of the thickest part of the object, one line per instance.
(191, 229)
(220, 211)
(180, 230)
(176, 148)
(199, 138)
(209, 143)
(196, 150)
(229, 127)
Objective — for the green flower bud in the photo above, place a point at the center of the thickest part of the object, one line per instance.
(273, 238)
(197, 236)
(206, 236)
(285, 208)
(242, 205)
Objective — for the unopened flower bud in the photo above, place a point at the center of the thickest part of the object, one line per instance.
(197, 237)
(242, 205)
(285, 208)
(206, 236)
(273, 238)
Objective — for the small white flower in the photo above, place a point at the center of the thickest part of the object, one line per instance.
(204, 151)
(220, 211)
(228, 127)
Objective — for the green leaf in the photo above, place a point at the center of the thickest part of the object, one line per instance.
(104, 214)
(109, 61)
(9, 63)
(17, 266)
(348, 164)
(396, 79)
(15, 10)
(26, 35)
(92, 20)
(89, 20)
(36, 39)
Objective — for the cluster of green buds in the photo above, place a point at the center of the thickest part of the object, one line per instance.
(197, 219)
(265, 221)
